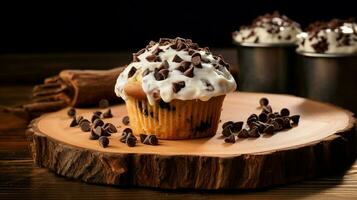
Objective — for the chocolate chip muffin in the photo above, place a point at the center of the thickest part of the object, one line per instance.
(269, 29)
(333, 37)
(175, 89)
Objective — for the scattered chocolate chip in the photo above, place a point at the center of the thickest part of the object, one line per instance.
(263, 102)
(196, 60)
(243, 133)
(73, 122)
(184, 65)
(125, 120)
(286, 123)
(177, 86)
(104, 132)
(263, 117)
(94, 117)
(164, 65)
(103, 141)
(267, 109)
(277, 126)
(146, 72)
(237, 126)
(93, 135)
(131, 72)
(189, 72)
(295, 119)
(151, 58)
(228, 123)
(103, 103)
(135, 58)
(130, 141)
(161, 74)
(153, 140)
(108, 114)
(284, 112)
(85, 125)
(98, 122)
(110, 128)
(279, 120)
(127, 131)
(71, 112)
(230, 139)
(271, 116)
(177, 59)
(254, 132)
(142, 137)
(157, 51)
(269, 129)
(227, 131)
(99, 113)
(79, 119)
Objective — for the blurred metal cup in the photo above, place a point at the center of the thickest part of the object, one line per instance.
(266, 67)
(329, 77)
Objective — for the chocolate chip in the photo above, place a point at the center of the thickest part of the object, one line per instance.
(146, 72)
(263, 117)
(99, 113)
(189, 72)
(227, 131)
(177, 59)
(123, 137)
(104, 132)
(135, 58)
(230, 139)
(237, 126)
(94, 117)
(254, 132)
(73, 122)
(153, 140)
(93, 135)
(228, 123)
(284, 112)
(98, 122)
(71, 112)
(196, 60)
(177, 86)
(286, 123)
(277, 126)
(295, 119)
(125, 120)
(103, 103)
(161, 74)
(269, 129)
(79, 119)
(271, 116)
(110, 128)
(131, 72)
(127, 131)
(103, 141)
(164, 65)
(131, 142)
(151, 58)
(85, 125)
(184, 65)
(157, 51)
(279, 120)
(267, 109)
(209, 86)
(252, 118)
(142, 137)
(97, 131)
(108, 114)
(263, 102)
(243, 133)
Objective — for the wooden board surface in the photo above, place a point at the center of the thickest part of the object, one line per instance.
(323, 142)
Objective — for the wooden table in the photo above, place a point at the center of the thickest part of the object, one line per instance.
(20, 179)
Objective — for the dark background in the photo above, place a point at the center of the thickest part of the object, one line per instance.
(129, 25)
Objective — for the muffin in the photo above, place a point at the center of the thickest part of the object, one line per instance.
(175, 89)
(333, 37)
(269, 29)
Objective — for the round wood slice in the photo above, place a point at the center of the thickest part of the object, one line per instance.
(324, 141)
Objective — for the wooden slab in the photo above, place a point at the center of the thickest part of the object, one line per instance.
(324, 141)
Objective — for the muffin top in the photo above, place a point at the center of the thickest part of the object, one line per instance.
(269, 29)
(335, 37)
(176, 69)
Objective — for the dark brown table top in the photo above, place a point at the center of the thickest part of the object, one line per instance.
(21, 179)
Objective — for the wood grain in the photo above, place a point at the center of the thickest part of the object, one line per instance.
(324, 142)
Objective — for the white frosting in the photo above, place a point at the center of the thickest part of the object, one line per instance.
(333, 39)
(262, 32)
(195, 88)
